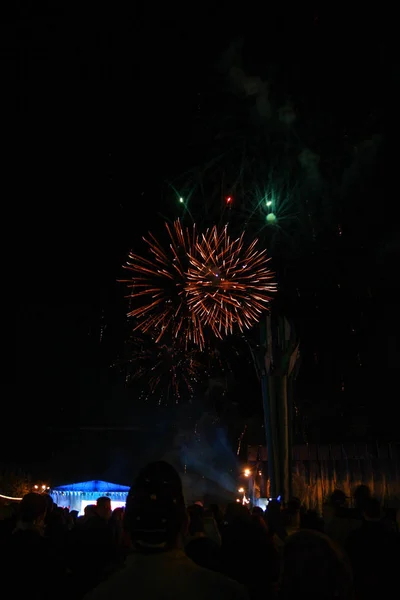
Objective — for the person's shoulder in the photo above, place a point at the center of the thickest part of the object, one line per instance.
(204, 542)
(116, 586)
(226, 587)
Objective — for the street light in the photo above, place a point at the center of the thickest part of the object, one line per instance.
(41, 488)
(247, 472)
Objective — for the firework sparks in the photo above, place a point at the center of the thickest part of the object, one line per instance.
(159, 283)
(171, 370)
(228, 284)
(271, 211)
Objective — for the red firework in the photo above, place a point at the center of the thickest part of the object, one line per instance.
(228, 284)
(159, 284)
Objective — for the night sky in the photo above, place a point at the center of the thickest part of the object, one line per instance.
(105, 110)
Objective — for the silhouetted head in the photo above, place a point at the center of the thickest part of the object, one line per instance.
(196, 508)
(155, 514)
(32, 508)
(103, 507)
(362, 495)
(274, 507)
(237, 512)
(118, 513)
(49, 502)
(259, 521)
(89, 510)
(257, 510)
(315, 568)
(338, 498)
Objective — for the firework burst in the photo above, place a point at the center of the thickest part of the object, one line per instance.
(228, 284)
(158, 284)
(271, 208)
(171, 371)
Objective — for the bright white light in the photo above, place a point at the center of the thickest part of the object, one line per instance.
(262, 503)
(10, 498)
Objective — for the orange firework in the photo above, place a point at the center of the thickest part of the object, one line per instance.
(169, 371)
(159, 282)
(228, 284)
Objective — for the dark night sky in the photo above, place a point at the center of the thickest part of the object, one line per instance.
(103, 108)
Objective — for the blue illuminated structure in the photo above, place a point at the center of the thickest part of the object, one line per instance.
(76, 496)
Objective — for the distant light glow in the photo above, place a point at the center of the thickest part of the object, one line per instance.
(181, 200)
